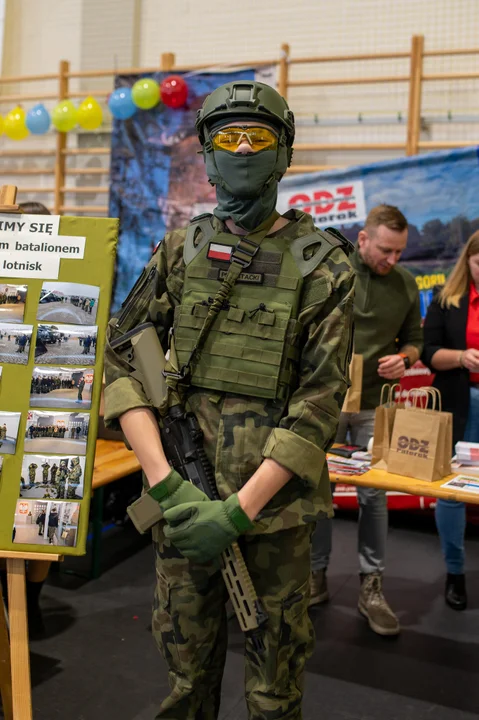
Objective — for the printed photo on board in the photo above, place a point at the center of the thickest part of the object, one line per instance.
(68, 303)
(50, 477)
(12, 302)
(9, 422)
(66, 344)
(15, 341)
(56, 387)
(40, 522)
(56, 432)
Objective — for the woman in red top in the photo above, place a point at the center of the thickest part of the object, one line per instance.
(451, 350)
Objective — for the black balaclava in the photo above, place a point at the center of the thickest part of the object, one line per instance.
(246, 185)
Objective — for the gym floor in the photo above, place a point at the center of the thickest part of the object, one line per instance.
(99, 660)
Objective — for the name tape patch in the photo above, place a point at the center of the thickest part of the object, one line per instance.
(246, 277)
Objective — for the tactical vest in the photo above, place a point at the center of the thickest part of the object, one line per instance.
(253, 345)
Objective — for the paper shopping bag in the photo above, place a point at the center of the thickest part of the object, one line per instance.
(352, 401)
(421, 442)
(383, 426)
(444, 451)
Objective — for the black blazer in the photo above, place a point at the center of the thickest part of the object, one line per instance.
(446, 328)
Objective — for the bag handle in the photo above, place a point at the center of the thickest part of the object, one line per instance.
(393, 389)
(436, 396)
(386, 387)
(413, 396)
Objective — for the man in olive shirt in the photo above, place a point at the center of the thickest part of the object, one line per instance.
(388, 335)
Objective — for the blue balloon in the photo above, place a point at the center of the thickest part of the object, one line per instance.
(121, 104)
(38, 120)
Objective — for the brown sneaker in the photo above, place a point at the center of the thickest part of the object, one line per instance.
(373, 605)
(319, 587)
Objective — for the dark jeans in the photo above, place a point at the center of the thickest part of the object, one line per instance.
(451, 515)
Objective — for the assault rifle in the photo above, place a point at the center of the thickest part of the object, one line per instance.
(182, 440)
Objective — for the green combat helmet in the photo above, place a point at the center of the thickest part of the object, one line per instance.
(246, 100)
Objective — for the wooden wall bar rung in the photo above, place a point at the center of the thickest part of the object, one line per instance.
(348, 58)
(112, 73)
(349, 81)
(27, 171)
(349, 146)
(26, 153)
(178, 68)
(457, 51)
(89, 171)
(40, 190)
(84, 208)
(91, 93)
(451, 76)
(27, 78)
(86, 151)
(85, 189)
(225, 66)
(26, 98)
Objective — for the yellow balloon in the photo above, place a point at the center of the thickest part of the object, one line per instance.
(90, 114)
(14, 124)
(64, 116)
(2, 125)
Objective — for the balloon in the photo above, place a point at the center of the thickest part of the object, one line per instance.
(174, 91)
(15, 126)
(90, 114)
(2, 125)
(64, 116)
(38, 120)
(121, 104)
(145, 93)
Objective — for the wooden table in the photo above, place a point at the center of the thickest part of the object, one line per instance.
(387, 481)
(112, 461)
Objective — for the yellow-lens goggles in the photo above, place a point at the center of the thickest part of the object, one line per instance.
(259, 138)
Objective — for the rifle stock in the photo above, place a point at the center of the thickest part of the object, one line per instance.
(182, 440)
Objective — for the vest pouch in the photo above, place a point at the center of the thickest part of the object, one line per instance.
(244, 350)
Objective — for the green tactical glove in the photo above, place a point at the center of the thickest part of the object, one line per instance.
(201, 531)
(173, 491)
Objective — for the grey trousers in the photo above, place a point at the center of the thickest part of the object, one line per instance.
(357, 428)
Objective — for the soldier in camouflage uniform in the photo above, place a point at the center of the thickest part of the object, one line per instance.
(32, 468)
(45, 469)
(53, 474)
(62, 479)
(74, 477)
(267, 390)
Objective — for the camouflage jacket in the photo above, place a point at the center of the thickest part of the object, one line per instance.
(239, 431)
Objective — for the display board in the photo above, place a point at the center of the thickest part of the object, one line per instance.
(56, 275)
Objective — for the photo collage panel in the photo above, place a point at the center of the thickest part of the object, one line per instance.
(56, 434)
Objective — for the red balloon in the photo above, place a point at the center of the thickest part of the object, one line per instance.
(174, 91)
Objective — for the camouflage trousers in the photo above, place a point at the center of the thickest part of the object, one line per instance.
(190, 627)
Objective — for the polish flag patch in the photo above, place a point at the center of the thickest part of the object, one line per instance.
(220, 252)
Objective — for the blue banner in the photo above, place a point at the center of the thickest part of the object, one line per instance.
(436, 192)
